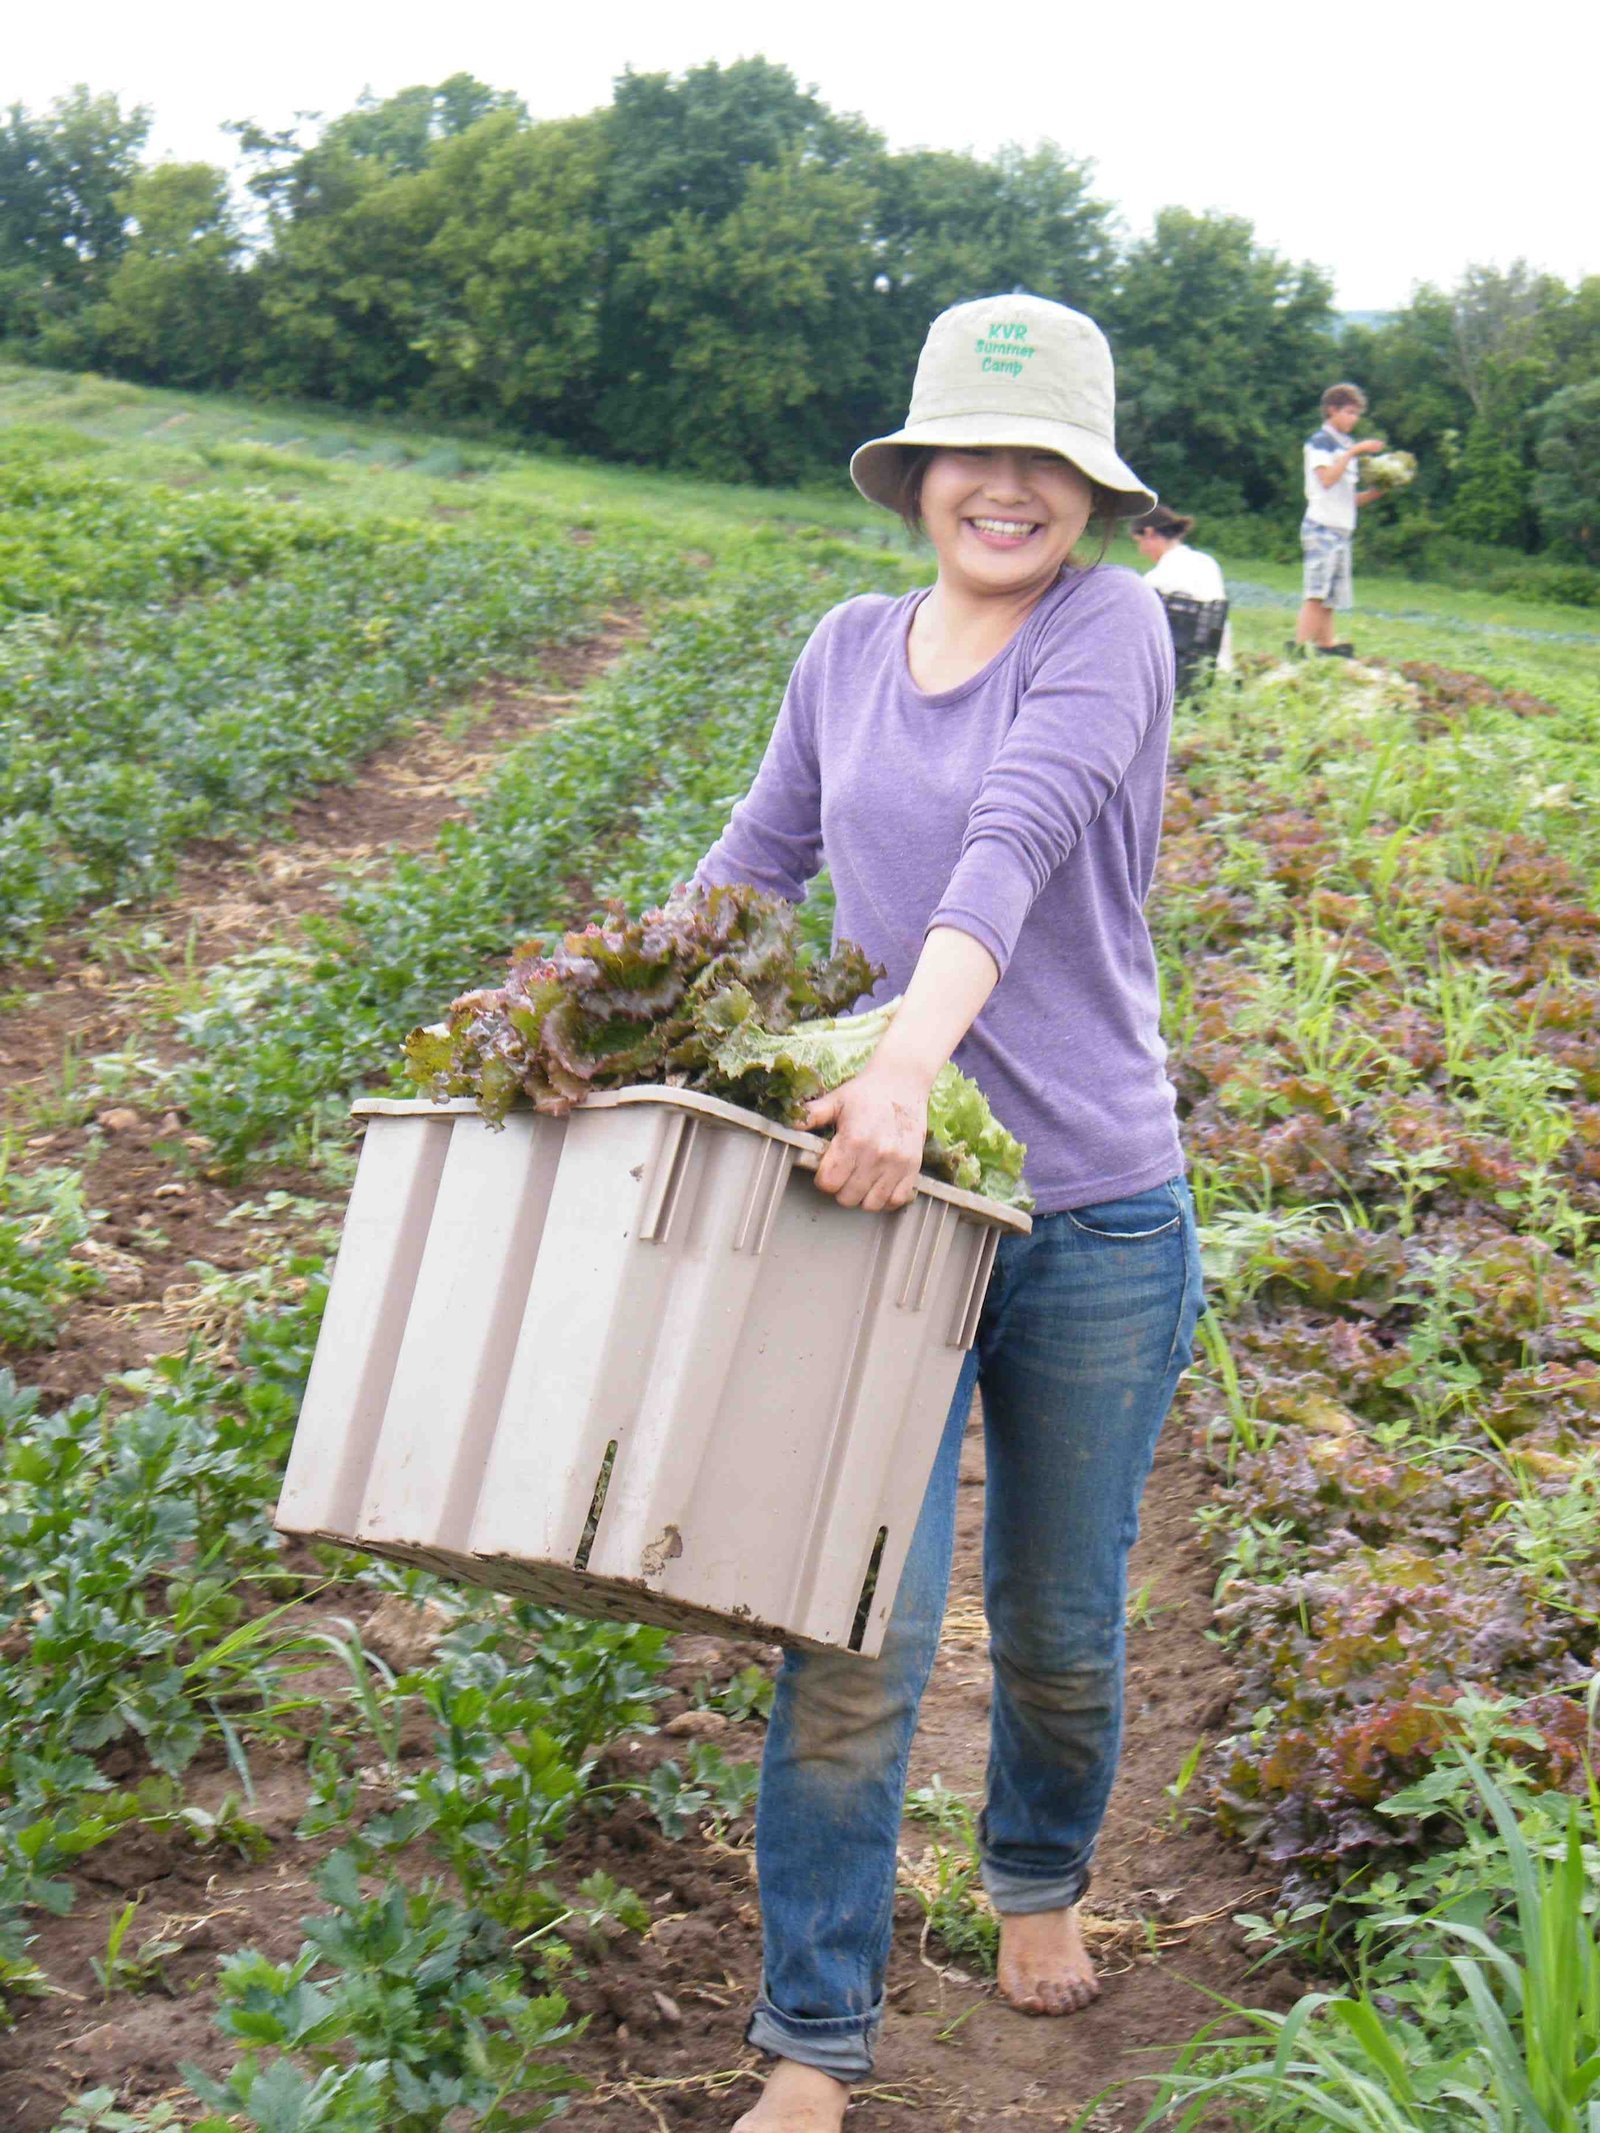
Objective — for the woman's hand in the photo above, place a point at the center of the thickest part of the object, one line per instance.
(880, 1122)
(881, 1117)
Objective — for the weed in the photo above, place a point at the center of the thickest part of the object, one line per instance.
(713, 1789)
(1179, 1787)
(122, 1969)
(947, 1882)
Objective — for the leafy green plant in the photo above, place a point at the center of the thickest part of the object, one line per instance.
(713, 1791)
(585, 1919)
(747, 1694)
(1179, 1786)
(1512, 2045)
(44, 1222)
(97, 2111)
(947, 1884)
(122, 742)
(401, 2012)
(124, 1969)
(638, 781)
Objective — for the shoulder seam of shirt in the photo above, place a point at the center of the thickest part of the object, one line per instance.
(1118, 586)
(1116, 579)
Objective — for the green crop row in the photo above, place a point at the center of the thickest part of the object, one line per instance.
(44, 1220)
(150, 1627)
(1383, 966)
(163, 724)
(620, 798)
(76, 543)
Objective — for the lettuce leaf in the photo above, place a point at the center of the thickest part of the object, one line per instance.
(710, 991)
(779, 1072)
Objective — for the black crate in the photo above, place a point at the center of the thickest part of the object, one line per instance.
(1197, 627)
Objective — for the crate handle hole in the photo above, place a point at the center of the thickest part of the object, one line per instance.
(869, 1585)
(597, 1503)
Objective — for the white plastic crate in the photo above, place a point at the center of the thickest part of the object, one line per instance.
(633, 1363)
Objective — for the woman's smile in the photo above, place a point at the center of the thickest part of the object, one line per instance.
(1002, 532)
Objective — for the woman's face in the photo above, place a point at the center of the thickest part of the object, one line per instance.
(1003, 520)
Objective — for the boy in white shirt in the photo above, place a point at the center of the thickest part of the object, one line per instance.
(1327, 532)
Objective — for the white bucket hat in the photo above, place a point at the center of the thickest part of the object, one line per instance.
(1015, 370)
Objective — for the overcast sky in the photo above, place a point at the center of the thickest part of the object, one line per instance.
(1389, 143)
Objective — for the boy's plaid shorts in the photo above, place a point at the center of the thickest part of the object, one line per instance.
(1328, 573)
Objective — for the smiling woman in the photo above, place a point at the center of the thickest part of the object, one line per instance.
(980, 765)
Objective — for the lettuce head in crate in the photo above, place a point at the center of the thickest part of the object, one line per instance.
(712, 992)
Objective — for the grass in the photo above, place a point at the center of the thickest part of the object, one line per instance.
(365, 465)
(1511, 2039)
(1454, 610)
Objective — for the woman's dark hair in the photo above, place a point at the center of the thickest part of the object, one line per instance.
(1172, 524)
(914, 460)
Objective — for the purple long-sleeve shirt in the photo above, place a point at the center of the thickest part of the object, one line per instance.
(1022, 808)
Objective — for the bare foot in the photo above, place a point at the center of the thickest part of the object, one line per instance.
(797, 2099)
(1044, 1966)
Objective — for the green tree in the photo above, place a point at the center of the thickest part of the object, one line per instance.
(402, 130)
(1456, 378)
(765, 322)
(1566, 489)
(1571, 329)
(688, 143)
(1408, 370)
(173, 307)
(64, 177)
(682, 155)
(344, 306)
(512, 328)
(1500, 318)
(1220, 347)
(337, 294)
(1493, 491)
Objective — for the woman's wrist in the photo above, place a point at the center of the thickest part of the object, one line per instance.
(955, 975)
(907, 1055)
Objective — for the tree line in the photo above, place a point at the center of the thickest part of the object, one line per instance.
(718, 274)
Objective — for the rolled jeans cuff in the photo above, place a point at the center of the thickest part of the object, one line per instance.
(1015, 1895)
(840, 2045)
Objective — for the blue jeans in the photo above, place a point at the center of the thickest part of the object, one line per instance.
(1085, 1331)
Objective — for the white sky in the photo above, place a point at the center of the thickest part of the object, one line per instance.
(1388, 143)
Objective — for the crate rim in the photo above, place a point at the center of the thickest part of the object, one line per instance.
(696, 1103)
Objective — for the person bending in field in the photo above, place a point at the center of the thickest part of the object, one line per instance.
(1328, 530)
(980, 766)
(1162, 538)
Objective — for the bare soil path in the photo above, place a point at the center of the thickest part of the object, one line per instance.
(665, 2045)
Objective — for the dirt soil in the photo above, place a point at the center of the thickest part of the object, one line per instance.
(665, 2043)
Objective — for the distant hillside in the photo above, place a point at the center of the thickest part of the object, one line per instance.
(1367, 318)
